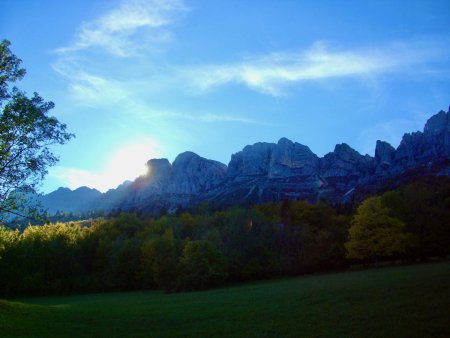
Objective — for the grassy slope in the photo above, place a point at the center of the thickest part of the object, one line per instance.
(408, 301)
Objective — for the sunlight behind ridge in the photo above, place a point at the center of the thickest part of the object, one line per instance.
(126, 163)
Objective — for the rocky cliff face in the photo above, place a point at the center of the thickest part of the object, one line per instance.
(169, 185)
(192, 174)
(425, 148)
(253, 160)
(265, 172)
(292, 159)
(269, 171)
(384, 156)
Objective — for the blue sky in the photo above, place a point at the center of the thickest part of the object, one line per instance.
(141, 79)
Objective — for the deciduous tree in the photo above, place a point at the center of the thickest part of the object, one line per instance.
(26, 134)
(374, 233)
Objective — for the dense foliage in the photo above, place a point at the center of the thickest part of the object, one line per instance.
(204, 249)
(178, 252)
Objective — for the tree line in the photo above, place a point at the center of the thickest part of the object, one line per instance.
(203, 249)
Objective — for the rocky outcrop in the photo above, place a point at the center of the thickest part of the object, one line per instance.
(265, 172)
(292, 159)
(344, 161)
(268, 171)
(424, 148)
(419, 154)
(192, 174)
(253, 160)
(437, 124)
(342, 170)
(384, 156)
(168, 186)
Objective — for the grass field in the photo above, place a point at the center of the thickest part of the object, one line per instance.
(406, 301)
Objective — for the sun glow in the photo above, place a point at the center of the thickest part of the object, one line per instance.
(130, 161)
(126, 163)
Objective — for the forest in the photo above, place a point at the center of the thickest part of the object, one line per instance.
(205, 248)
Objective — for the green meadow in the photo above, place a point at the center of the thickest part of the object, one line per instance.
(405, 301)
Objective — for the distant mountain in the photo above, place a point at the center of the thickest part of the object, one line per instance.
(265, 172)
(64, 199)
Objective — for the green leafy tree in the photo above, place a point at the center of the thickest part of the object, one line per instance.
(424, 206)
(202, 266)
(159, 261)
(321, 234)
(9, 272)
(374, 233)
(26, 134)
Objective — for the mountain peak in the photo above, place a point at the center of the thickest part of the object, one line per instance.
(84, 189)
(284, 141)
(344, 148)
(63, 189)
(158, 166)
(438, 123)
(186, 157)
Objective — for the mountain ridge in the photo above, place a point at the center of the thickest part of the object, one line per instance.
(265, 172)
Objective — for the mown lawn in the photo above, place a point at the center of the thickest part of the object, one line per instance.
(406, 301)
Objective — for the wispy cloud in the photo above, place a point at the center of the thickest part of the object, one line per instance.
(114, 31)
(133, 27)
(205, 117)
(228, 118)
(94, 90)
(270, 73)
(91, 89)
(117, 32)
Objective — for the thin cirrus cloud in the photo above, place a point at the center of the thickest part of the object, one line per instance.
(93, 90)
(269, 74)
(115, 31)
(146, 114)
(119, 33)
(90, 89)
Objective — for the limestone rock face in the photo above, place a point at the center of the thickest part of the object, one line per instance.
(292, 159)
(422, 149)
(267, 171)
(155, 181)
(158, 168)
(192, 174)
(173, 185)
(384, 156)
(342, 170)
(273, 160)
(253, 160)
(438, 123)
(344, 161)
